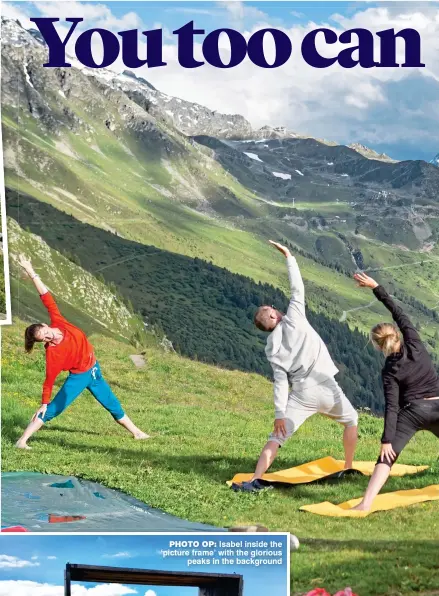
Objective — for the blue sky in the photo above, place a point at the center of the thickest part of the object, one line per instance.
(33, 565)
(205, 14)
(393, 110)
(176, 13)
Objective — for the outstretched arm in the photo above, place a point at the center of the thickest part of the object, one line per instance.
(27, 266)
(296, 282)
(47, 298)
(407, 328)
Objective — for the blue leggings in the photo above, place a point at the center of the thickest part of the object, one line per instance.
(75, 384)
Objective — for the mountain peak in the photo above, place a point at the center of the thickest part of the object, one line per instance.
(15, 34)
(132, 75)
(435, 160)
(370, 153)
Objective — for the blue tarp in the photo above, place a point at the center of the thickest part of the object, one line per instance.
(38, 502)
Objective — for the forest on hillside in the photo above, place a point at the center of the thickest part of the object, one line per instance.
(206, 311)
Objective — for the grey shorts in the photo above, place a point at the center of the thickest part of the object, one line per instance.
(326, 398)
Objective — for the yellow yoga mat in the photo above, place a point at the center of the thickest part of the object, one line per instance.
(400, 498)
(320, 468)
(367, 468)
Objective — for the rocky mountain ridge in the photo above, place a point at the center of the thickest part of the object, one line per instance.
(194, 148)
(94, 162)
(190, 118)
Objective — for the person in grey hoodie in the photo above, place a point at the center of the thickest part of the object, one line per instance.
(299, 358)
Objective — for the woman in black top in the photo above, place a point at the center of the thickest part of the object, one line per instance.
(411, 387)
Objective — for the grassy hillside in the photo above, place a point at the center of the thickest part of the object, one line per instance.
(152, 186)
(206, 425)
(102, 155)
(130, 221)
(94, 305)
(206, 311)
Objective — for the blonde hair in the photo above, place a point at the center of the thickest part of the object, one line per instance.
(386, 337)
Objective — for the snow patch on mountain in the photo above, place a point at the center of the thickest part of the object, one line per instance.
(253, 156)
(283, 176)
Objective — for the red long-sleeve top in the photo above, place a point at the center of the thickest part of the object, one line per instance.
(74, 353)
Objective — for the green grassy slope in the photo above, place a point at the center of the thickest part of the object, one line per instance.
(240, 252)
(206, 311)
(90, 151)
(208, 424)
(183, 201)
(91, 303)
(114, 203)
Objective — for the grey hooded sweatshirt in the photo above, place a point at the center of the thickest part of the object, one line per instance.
(294, 349)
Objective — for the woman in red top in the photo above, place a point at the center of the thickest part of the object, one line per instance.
(67, 348)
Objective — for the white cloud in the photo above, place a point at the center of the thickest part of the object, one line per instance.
(357, 102)
(9, 562)
(194, 11)
(121, 555)
(238, 10)
(365, 95)
(150, 593)
(104, 590)
(52, 558)
(30, 588)
(94, 14)
(12, 11)
(34, 558)
(346, 105)
(376, 106)
(235, 11)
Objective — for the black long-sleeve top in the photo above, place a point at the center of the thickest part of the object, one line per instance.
(407, 375)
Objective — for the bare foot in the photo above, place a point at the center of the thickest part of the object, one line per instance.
(141, 435)
(22, 445)
(360, 507)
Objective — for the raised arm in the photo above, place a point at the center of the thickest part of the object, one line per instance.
(407, 328)
(27, 266)
(46, 297)
(297, 289)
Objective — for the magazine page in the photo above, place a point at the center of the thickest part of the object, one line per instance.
(218, 298)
